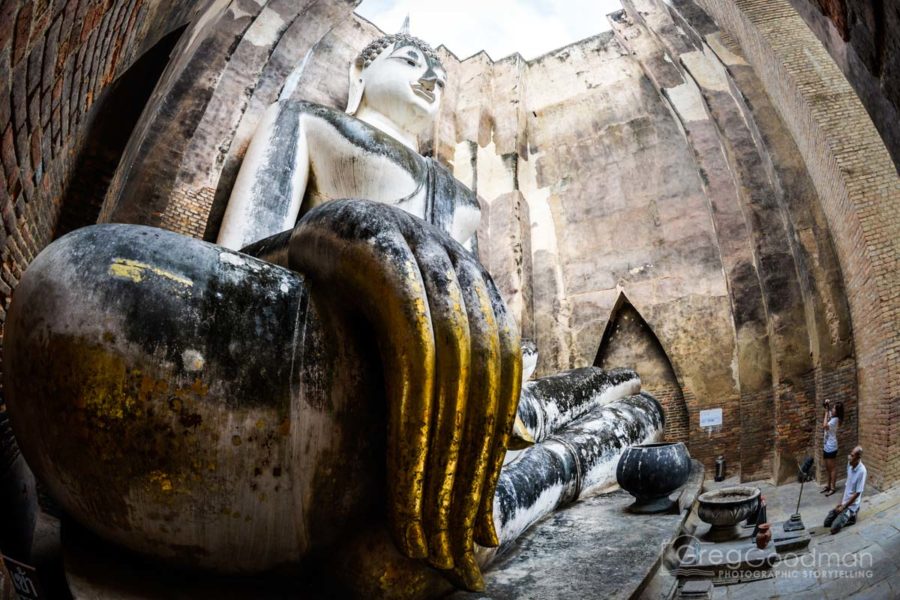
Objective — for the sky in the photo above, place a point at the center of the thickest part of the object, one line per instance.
(500, 27)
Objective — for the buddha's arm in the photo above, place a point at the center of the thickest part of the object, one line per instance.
(270, 185)
(452, 365)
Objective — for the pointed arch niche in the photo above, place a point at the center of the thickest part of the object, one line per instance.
(629, 342)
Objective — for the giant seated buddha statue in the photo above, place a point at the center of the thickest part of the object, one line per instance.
(337, 380)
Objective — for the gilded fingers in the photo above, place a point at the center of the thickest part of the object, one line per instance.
(452, 369)
(492, 338)
(409, 358)
(479, 425)
(452, 362)
(510, 388)
(367, 267)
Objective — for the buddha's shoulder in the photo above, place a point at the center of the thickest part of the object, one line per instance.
(310, 108)
(357, 132)
(333, 116)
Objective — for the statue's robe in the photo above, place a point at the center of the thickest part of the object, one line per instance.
(356, 157)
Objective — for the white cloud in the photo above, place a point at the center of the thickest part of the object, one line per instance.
(500, 27)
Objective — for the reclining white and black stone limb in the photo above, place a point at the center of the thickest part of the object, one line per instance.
(550, 403)
(576, 462)
(219, 411)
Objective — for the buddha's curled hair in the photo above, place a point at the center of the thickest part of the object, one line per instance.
(376, 47)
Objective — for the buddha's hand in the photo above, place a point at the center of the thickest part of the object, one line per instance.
(452, 368)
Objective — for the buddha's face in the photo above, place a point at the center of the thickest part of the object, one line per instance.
(405, 85)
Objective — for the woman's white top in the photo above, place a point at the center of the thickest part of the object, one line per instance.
(831, 444)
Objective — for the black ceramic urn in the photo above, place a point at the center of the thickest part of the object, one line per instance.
(650, 472)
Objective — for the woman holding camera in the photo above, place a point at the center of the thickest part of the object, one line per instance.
(834, 416)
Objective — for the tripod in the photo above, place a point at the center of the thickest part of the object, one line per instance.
(795, 523)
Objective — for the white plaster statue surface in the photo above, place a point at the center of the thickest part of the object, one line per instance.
(302, 155)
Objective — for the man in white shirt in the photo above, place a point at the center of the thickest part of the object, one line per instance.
(845, 513)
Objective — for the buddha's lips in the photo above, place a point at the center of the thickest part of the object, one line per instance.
(419, 90)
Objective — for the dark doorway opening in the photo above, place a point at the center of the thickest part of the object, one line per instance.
(116, 114)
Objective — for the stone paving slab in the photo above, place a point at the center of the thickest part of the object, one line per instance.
(753, 590)
(789, 581)
(594, 548)
(741, 552)
(879, 591)
(870, 550)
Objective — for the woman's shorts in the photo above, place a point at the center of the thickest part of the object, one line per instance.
(827, 454)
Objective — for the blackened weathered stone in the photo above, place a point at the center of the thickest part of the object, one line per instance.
(159, 369)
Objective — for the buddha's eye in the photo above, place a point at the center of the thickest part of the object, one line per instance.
(411, 62)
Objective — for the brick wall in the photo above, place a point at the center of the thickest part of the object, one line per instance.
(864, 40)
(757, 436)
(57, 59)
(672, 400)
(859, 191)
(707, 443)
(838, 385)
(114, 116)
(188, 211)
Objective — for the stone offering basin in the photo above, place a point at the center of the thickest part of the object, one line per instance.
(725, 508)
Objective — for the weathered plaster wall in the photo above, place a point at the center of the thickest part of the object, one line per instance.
(654, 167)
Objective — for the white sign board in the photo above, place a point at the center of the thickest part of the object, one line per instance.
(711, 417)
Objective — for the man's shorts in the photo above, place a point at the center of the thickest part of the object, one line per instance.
(827, 454)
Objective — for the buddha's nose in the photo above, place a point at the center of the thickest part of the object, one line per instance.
(428, 82)
(429, 78)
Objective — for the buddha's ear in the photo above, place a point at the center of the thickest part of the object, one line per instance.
(357, 87)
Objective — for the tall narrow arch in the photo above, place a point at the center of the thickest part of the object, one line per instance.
(112, 122)
(628, 341)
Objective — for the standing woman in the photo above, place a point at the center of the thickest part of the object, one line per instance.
(834, 416)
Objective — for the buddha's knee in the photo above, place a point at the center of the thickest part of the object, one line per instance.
(147, 381)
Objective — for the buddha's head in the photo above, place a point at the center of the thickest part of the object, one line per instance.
(401, 78)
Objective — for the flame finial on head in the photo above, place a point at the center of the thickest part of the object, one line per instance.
(376, 47)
